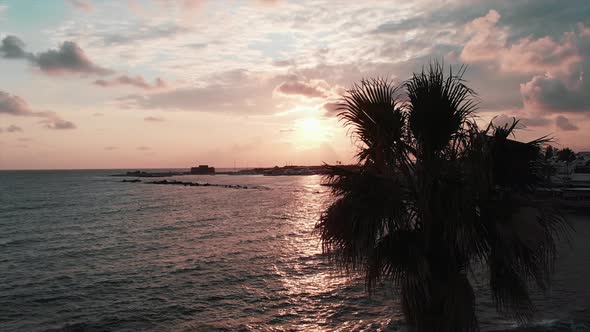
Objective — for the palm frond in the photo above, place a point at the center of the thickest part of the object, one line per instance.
(439, 106)
(396, 254)
(372, 111)
(369, 205)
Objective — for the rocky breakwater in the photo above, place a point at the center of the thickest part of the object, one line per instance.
(195, 184)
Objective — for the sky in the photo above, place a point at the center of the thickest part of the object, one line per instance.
(175, 83)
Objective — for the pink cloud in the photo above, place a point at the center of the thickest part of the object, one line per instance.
(488, 43)
(564, 90)
(545, 92)
(82, 5)
(14, 105)
(564, 124)
(486, 39)
(17, 106)
(298, 86)
(137, 81)
(192, 4)
(557, 64)
(524, 120)
(58, 124)
(541, 55)
(301, 88)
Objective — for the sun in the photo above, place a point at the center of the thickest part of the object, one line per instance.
(310, 132)
(311, 126)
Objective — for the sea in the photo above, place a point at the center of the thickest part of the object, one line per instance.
(82, 251)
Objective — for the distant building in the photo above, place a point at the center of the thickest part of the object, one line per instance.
(572, 181)
(582, 163)
(203, 169)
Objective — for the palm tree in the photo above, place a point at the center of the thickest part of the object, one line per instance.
(434, 197)
(567, 155)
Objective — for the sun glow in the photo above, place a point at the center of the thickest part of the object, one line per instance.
(310, 132)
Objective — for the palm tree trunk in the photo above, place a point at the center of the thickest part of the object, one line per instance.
(444, 303)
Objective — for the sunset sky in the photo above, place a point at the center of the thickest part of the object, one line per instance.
(174, 83)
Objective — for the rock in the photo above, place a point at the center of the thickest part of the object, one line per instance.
(131, 181)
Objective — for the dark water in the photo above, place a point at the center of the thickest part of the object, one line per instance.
(80, 251)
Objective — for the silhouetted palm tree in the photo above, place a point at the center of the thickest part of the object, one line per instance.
(434, 197)
(567, 155)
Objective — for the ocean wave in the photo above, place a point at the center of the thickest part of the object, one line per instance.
(216, 260)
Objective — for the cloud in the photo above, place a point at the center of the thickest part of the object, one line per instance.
(14, 129)
(312, 89)
(557, 63)
(283, 63)
(563, 91)
(394, 27)
(177, 4)
(338, 44)
(16, 106)
(548, 92)
(491, 44)
(192, 4)
(13, 48)
(195, 4)
(153, 119)
(564, 124)
(231, 91)
(269, 2)
(486, 39)
(137, 81)
(534, 121)
(67, 58)
(144, 34)
(82, 5)
(529, 55)
(236, 91)
(58, 124)
(524, 120)
(541, 18)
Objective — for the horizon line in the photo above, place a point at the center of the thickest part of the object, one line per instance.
(148, 168)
